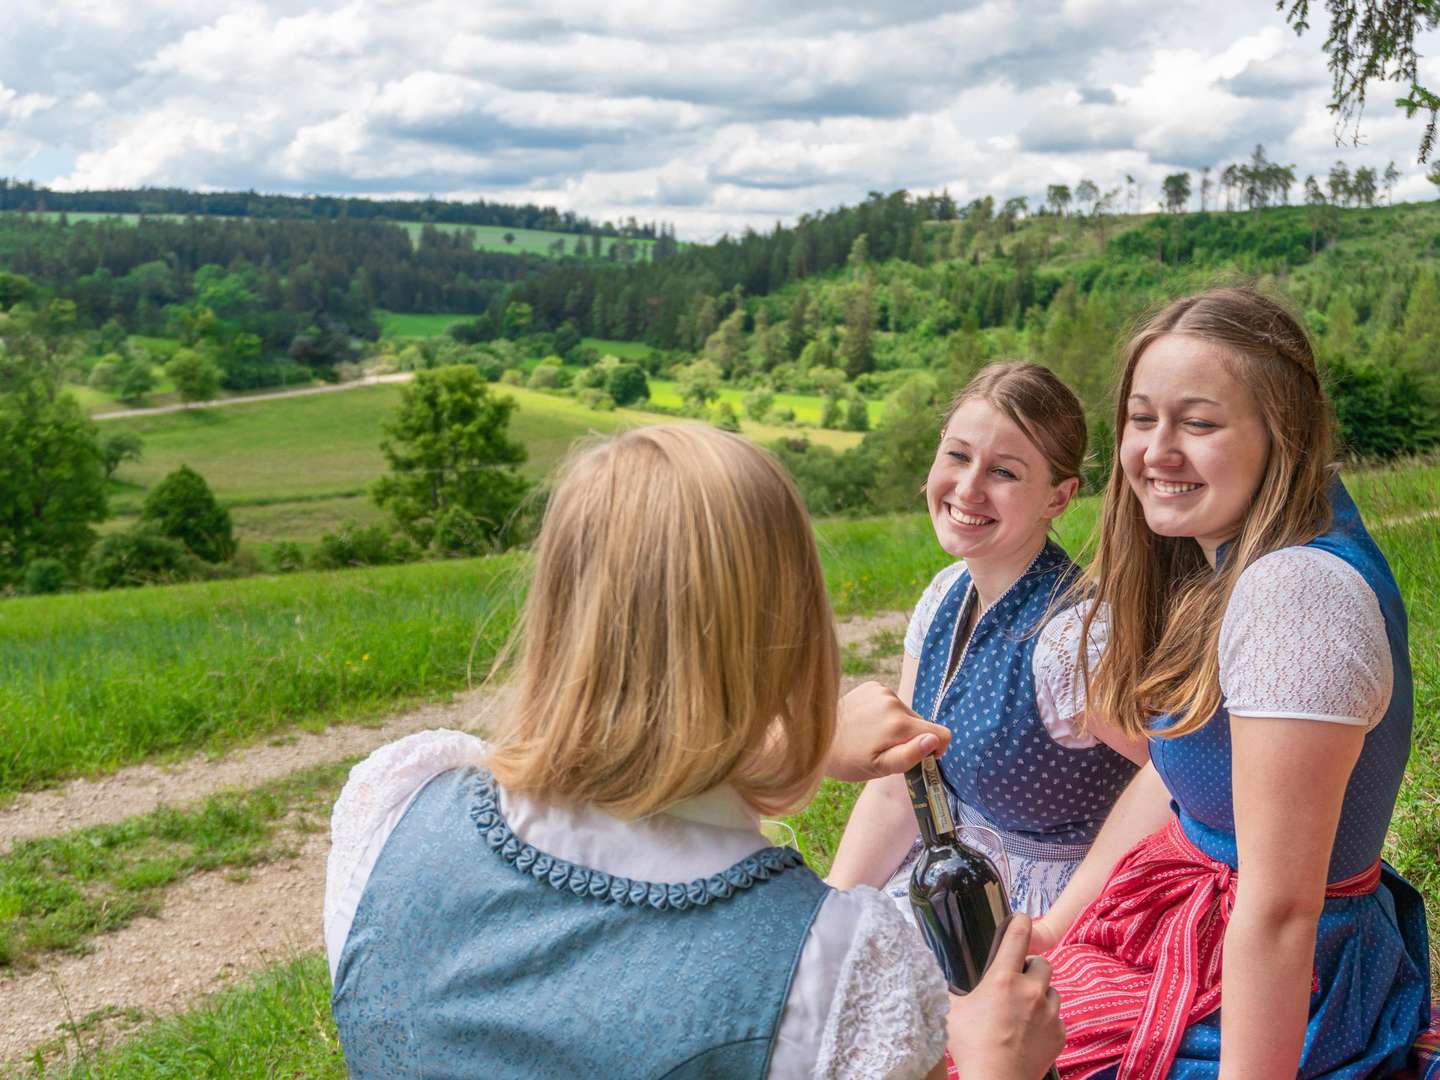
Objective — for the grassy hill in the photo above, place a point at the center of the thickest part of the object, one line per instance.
(295, 468)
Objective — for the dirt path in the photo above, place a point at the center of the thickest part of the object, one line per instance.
(142, 788)
(212, 930)
(220, 403)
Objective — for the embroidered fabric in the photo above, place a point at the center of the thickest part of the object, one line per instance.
(1059, 689)
(882, 1003)
(888, 1014)
(1304, 637)
(585, 881)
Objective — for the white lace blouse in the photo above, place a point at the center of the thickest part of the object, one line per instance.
(867, 1000)
(1059, 689)
(1302, 638)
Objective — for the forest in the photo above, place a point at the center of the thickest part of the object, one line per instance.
(28, 196)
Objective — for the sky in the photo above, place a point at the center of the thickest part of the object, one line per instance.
(714, 117)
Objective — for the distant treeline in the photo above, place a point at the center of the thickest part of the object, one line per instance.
(26, 195)
(673, 303)
(275, 278)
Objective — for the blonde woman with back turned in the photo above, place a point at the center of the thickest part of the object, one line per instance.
(589, 894)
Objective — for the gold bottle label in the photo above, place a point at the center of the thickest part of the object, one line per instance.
(935, 796)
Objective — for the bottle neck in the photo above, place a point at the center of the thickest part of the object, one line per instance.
(931, 803)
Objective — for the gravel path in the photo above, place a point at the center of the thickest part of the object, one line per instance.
(211, 929)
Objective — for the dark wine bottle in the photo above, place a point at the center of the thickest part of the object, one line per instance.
(955, 891)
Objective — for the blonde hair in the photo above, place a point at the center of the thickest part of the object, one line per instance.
(677, 633)
(1164, 601)
(1039, 404)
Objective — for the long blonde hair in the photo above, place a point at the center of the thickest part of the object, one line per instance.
(677, 634)
(1165, 604)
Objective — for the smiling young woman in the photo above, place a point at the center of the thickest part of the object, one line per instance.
(1256, 635)
(981, 658)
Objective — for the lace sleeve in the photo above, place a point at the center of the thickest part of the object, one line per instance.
(1059, 678)
(1304, 637)
(927, 605)
(371, 804)
(887, 1013)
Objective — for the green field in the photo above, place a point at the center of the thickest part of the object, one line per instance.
(526, 242)
(399, 325)
(295, 468)
(625, 350)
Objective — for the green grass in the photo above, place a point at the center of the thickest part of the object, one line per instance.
(89, 682)
(323, 444)
(275, 1025)
(321, 452)
(398, 325)
(526, 242)
(59, 892)
(625, 350)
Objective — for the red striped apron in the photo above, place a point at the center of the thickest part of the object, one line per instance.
(1142, 961)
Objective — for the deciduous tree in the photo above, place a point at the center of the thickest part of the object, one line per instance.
(448, 445)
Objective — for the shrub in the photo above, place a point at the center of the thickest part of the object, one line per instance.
(723, 416)
(286, 557)
(857, 415)
(626, 384)
(183, 508)
(354, 545)
(140, 556)
(512, 377)
(596, 399)
(545, 377)
(758, 402)
(43, 576)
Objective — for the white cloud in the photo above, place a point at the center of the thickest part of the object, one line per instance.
(715, 116)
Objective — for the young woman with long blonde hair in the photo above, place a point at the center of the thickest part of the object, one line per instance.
(1255, 634)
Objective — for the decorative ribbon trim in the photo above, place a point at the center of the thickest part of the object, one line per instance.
(585, 882)
(1142, 962)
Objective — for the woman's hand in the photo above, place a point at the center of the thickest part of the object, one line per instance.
(877, 735)
(1009, 1028)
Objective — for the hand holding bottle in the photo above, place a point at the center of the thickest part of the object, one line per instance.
(877, 735)
(1009, 1027)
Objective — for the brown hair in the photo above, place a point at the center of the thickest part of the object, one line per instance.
(1164, 602)
(1039, 404)
(677, 634)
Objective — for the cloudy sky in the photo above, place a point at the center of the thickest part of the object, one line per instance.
(713, 116)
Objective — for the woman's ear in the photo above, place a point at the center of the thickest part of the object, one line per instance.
(1060, 496)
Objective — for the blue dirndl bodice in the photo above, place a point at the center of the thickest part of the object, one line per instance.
(1371, 953)
(475, 954)
(1001, 760)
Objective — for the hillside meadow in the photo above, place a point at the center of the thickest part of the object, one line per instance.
(295, 468)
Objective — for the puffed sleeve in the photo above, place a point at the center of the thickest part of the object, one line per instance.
(372, 802)
(1059, 678)
(1304, 637)
(868, 1001)
(926, 607)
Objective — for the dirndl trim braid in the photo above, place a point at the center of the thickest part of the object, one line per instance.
(1142, 962)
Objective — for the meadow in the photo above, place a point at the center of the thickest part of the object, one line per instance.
(296, 468)
(90, 682)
